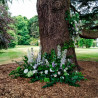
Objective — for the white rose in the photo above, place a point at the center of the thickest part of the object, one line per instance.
(46, 71)
(26, 71)
(59, 73)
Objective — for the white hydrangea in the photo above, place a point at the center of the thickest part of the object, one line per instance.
(34, 71)
(46, 71)
(26, 71)
(55, 75)
(63, 59)
(59, 73)
(59, 51)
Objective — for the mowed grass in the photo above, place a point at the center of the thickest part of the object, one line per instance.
(85, 54)
(16, 54)
(13, 54)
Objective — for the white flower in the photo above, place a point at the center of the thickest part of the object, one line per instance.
(34, 71)
(59, 51)
(59, 73)
(51, 70)
(35, 66)
(47, 63)
(39, 57)
(62, 77)
(63, 59)
(26, 71)
(41, 72)
(64, 70)
(55, 75)
(30, 56)
(46, 71)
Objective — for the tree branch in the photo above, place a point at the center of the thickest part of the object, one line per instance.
(89, 34)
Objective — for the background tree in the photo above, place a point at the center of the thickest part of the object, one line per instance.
(5, 20)
(34, 27)
(85, 43)
(22, 30)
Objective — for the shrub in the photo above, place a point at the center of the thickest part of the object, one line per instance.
(49, 68)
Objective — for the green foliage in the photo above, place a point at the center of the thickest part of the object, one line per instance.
(14, 41)
(85, 42)
(17, 73)
(34, 41)
(22, 30)
(50, 72)
(34, 27)
(68, 45)
(46, 80)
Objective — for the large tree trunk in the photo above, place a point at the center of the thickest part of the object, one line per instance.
(53, 27)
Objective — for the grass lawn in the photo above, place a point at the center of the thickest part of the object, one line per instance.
(84, 54)
(7, 56)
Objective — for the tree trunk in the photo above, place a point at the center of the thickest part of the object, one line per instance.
(53, 27)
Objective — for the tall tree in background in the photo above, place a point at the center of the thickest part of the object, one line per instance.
(53, 27)
(22, 30)
(34, 27)
(5, 20)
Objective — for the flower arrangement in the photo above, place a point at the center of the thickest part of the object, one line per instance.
(49, 68)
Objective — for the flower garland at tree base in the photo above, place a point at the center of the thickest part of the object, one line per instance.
(50, 68)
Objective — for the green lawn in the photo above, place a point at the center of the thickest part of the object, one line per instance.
(87, 54)
(12, 54)
(7, 56)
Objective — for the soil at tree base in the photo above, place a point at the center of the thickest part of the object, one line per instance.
(20, 88)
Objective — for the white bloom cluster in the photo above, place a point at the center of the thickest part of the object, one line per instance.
(34, 71)
(39, 57)
(30, 55)
(59, 51)
(35, 66)
(47, 63)
(46, 71)
(26, 71)
(63, 59)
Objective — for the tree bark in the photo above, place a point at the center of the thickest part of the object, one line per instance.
(53, 27)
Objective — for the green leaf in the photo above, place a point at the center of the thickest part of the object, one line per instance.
(46, 80)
